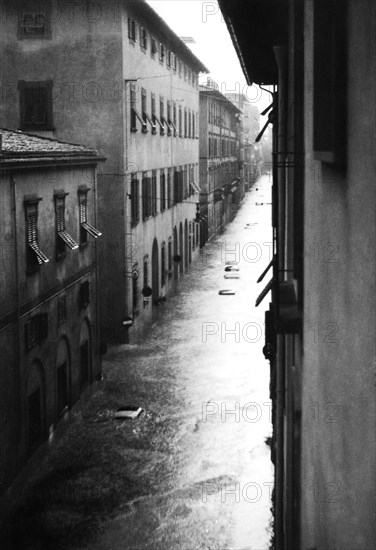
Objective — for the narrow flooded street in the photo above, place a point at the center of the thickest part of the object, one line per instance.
(193, 471)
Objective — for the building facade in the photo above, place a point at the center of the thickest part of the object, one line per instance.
(319, 57)
(49, 332)
(249, 128)
(132, 93)
(221, 176)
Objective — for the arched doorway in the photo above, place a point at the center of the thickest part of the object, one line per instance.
(35, 420)
(62, 377)
(155, 271)
(181, 248)
(85, 356)
(186, 243)
(176, 265)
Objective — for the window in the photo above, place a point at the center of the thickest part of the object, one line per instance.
(146, 271)
(168, 59)
(36, 330)
(135, 201)
(154, 193)
(63, 239)
(35, 23)
(85, 227)
(189, 123)
(193, 125)
(84, 295)
(143, 38)
(330, 82)
(61, 310)
(185, 123)
(169, 189)
(180, 68)
(180, 121)
(162, 53)
(34, 256)
(161, 116)
(61, 387)
(169, 119)
(178, 186)
(163, 264)
(169, 257)
(185, 72)
(35, 105)
(145, 116)
(134, 113)
(146, 197)
(153, 48)
(35, 419)
(84, 364)
(135, 290)
(153, 115)
(173, 61)
(131, 29)
(163, 190)
(174, 121)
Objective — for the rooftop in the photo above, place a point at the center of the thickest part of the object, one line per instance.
(16, 146)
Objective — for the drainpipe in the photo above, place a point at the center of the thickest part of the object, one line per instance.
(18, 433)
(280, 159)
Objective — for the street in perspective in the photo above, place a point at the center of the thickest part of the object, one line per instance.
(193, 470)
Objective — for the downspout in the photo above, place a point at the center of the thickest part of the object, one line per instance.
(17, 435)
(280, 160)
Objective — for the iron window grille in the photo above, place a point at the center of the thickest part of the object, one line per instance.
(63, 239)
(34, 256)
(36, 330)
(85, 227)
(135, 201)
(35, 105)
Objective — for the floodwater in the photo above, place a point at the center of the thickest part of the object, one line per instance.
(208, 390)
(193, 471)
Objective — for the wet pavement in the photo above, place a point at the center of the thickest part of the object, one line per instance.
(193, 471)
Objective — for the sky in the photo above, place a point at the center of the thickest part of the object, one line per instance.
(203, 21)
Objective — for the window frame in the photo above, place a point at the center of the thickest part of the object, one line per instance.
(44, 9)
(135, 199)
(24, 87)
(62, 239)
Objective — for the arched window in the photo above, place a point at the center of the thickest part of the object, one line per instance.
(85, 355)
(62, 377)
(35, 407)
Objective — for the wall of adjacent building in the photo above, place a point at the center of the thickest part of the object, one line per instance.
(338, 424)
(24, 368)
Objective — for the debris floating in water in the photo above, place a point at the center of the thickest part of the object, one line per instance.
(130, 412)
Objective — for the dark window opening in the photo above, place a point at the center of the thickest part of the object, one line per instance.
(135, 201)
(35, 105)
(36, 330)
(84, 294)
(35, 419)
(84, 364)
(62, 387)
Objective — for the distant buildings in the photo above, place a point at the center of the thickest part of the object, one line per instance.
(251, 153)
(115, 77)
(49, 332)
(221, 177)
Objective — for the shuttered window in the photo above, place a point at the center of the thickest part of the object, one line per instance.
(34, 256)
